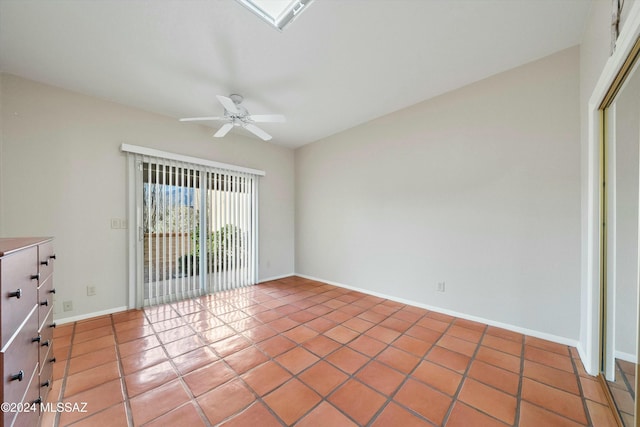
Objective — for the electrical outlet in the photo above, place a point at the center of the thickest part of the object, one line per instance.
(118, 224)
(440, 287)
(67, 305)
(91, 291)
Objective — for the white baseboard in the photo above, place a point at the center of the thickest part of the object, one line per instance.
(72, 319)
(518, 329)
(627, 357)
(268, 279)
(583, 356)
(89, 315)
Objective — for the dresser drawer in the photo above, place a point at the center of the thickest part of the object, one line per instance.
(19, 360)
(46, 339)
(46, 257)
(18, 274)
(32, 399)
(46, 373)
(46, 356)
(45, 300)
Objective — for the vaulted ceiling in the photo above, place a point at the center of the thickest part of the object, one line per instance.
(340, 64)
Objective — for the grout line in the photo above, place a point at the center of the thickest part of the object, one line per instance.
(65, 374)
(123, 384)
(389, 397)
(623, 374)
(520, 381)
(465, 375)
(221, 359)
(321, 358)
(67, 368)
(257, 398)
(583, 398)
(180, 376)
(408, 376)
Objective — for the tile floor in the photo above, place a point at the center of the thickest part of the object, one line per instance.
(296, 351)
(623, 390)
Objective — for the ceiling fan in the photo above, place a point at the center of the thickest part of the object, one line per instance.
(236, 115)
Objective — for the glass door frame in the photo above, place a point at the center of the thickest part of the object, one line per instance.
(593, 335)
(606, 115)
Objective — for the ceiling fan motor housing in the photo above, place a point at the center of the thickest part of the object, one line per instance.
(237, 99)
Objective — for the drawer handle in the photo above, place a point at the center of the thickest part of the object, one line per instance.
(36, 339)
(17, 294)
(52, 256)
(35, 276)
(47, 343)
(37, 401)
(52, 291)
(19, 376)
(44, 262)
(52, 360)
(53, 325)
(45, 303)
(47, 383)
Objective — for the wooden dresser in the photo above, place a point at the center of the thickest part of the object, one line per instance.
(26, 337)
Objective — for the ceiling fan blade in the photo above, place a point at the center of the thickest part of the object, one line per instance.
(228, 104)
(196, 119)
(268, 118)
(223, 130)
(257, 132)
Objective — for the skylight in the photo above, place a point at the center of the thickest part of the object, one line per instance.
(278, 13)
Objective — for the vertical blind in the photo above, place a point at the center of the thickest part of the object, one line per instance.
(197, 228)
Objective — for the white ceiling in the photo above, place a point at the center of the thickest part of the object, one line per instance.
(341, 63)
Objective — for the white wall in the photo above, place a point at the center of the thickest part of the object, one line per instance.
(479, 188)
(62, 174)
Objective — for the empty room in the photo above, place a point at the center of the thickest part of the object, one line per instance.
(319, 212)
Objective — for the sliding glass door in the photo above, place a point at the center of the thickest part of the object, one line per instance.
(196, 229)
(171, 218)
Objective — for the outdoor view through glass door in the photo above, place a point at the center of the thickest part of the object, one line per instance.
(197, 229)
(171, 226)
